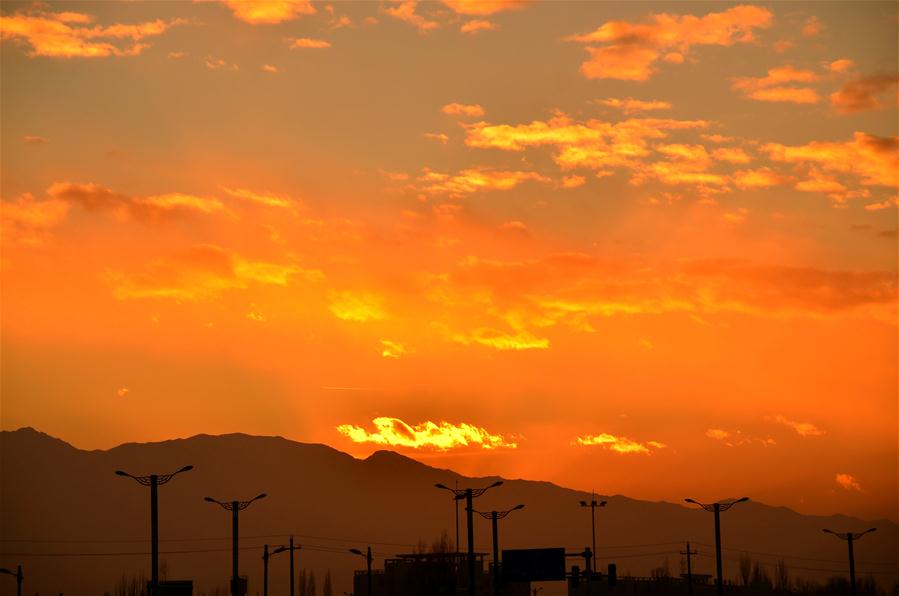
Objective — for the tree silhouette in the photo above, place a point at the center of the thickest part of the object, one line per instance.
(326, 585)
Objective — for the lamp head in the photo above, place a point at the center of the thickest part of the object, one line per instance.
(438, 485)
(210, 499)
(122, 473)
(602, 503)
(495, 484)
(260, 496)
(185, 469)
(742, 500)
(691, 501)
(517, 507)
(356, 551)
(828, 531)
(583, 503)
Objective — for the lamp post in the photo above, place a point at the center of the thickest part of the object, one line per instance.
(18, 575)
(234, 507)
(265, 557)
(494, 516)
(717, 508)
(290, 548)
(154, 481)
(367, 556)
(850, 537)
(469, 494)
(593, 504)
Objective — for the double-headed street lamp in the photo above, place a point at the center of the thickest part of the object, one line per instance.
(494, 516)
(850, 537)
(468, 494)
(234, 507)
(593, 504)
(289, 548)
(154, 481)
(717, 508)
(19, 577)
(367, 556)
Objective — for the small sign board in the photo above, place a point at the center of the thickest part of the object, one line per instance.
(534, 565)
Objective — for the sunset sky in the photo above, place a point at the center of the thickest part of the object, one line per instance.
(642, 248)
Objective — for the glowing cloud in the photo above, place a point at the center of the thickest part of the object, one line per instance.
(393, 349)
(771, 87)
(501, 340)
(358, 307)
(28, 221)
(737, 438)
(630, 105)
(309, 44)
(476, 26)
(462, 109)
(803, 429)
(862, 93)
(202, 273)
(484, 7)
(620, 444)
(267, 199)
(72, 34)
(34, 139)
(630, 50)
(441, 436)
(405, 11)
(269, 12)
(474, 180)
(96, 198)
(848, 482)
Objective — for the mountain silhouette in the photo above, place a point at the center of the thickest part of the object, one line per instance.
(57, 500)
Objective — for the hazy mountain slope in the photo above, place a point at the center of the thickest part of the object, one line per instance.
(331, 501)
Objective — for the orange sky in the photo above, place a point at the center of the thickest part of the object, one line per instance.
(641, 248)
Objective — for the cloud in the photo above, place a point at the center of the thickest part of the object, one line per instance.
(841, 65)
(573, 181)
(620, 444)
(848, 482)
(213, 63)
(629, 51)
(874, 160)
(462, 109)
(630, 105)
(34, 139)
(97, 198)
(405, 11)
(862, 93)
(758, 178)
(269, 12)
(393, 349)
(358, 307)
(771, 87)
(268, 199)
(310, 44)
(29, 221)
(202, 273)
(441, 436)
(437, 136)
(476, 180)
(72, 34)
(476, 26)
(731, 155)
(812, 27)
(737, 438)
(501, 340)
(484, 7)
(803, 429)
(269, 68)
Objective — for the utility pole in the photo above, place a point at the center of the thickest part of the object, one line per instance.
(154, 481)
(717, 508)
(265, 558)
(290, 548)
(494, 516)
(593, 504)
(849, 537)
(689, 554)
(469, 494)
(235, 507)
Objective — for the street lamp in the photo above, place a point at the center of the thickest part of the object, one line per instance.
(717, 508)
(18, 575)
(367, 556)
(468, 494)
(496, 515)
(456, 499)
(234, 507)
(290, 548)
(154, 481)
(850, 537)
(593, 504)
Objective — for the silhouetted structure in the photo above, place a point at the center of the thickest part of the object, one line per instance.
(154, 481)
(368, 559)
(494, 516)
(469, 494)
(426, 574)
(689, 553)
(290, 548)
(593, 504)
(849, 537)
(717, 508)
(238, 588)
(19, 578)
